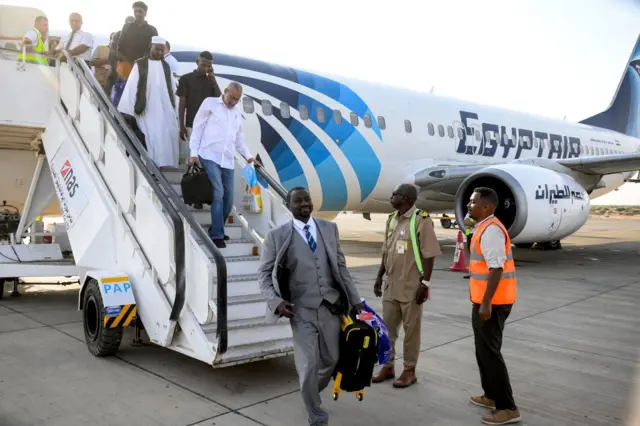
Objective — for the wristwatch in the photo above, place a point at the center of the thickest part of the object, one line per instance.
(425, 283)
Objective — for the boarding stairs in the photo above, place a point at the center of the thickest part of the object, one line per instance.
(125, 216)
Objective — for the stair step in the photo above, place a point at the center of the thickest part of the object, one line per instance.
(234, 231)
(243, 323)
(238, 248)
(242, 285)
(252, 332)
(240, 265)
(174, 174)
(254, 352)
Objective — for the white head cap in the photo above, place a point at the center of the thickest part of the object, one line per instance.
(158, 40)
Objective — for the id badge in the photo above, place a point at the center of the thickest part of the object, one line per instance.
(401, 246)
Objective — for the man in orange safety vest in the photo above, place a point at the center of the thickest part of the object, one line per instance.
(492, 286)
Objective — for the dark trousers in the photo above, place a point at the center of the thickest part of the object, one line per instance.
(494, 376)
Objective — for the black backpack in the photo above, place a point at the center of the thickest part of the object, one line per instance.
(358, 356)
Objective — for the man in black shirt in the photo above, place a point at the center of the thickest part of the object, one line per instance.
(193, 88)
(135, 39)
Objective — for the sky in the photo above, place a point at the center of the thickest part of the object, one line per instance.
(557, 58)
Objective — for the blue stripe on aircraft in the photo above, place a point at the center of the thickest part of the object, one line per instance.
(336, 91)
(287, 166)
(332, 182)
(351, 142)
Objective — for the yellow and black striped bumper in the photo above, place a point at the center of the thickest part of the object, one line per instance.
(124, 318)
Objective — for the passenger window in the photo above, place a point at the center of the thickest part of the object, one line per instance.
(367, 121)
(450, 131)
(354, 119)
(478, 137)
(431, 131)
(407, 126)
(320, 114)
(247, 105)
(440, 130)
(267, 109)
(304, 112)
(382, 123)
(460, 133)
(285, 112)
(337, 116)
(535, 142)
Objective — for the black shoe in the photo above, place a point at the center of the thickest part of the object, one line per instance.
(219, 243)
(226, 238)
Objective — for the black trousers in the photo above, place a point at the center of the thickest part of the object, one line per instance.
(494, 376)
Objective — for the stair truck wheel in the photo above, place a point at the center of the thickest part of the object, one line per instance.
(101, 341)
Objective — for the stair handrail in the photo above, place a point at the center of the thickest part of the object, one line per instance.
(170, 201)
(279, 189)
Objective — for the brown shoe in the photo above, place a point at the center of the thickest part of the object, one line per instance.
(502, 417)
(483, 401)
(406, 379)
(385, 373)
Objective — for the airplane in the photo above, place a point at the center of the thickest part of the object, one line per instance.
(351, 142)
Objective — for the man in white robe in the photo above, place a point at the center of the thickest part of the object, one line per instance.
(152, 106)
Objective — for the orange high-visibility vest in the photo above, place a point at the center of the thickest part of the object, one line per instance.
(479, 270)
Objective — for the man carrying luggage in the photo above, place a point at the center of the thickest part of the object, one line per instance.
(408, 285)
(304, 277)
(493, 289)
(217, 134)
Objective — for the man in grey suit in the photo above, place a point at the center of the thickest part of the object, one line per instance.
(305, 253)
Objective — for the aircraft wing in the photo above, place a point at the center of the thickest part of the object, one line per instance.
(604, 165)
(443, 181)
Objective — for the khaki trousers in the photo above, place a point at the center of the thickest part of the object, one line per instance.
(409, 315)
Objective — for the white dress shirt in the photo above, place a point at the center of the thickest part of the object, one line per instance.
(492, 243)
(217, 133)
(80, 37)
(299, 226)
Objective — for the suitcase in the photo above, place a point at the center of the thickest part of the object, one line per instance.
(358, 356)
(196, 187)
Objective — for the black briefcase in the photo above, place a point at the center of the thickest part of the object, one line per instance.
(196, 187)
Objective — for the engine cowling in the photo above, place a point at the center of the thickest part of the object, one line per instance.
(536, 204)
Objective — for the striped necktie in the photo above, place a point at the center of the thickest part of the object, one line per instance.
(310, 240)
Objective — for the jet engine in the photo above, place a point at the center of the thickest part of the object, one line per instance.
(535, 204)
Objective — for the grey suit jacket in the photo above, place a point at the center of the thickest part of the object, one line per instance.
(275, 247)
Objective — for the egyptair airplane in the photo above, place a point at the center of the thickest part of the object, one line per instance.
(352, 142)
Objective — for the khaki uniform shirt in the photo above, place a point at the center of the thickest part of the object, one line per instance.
(403, 278)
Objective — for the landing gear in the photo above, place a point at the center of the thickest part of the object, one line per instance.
(550, 245)
(101, 341)
(15, 292)
(524, 245)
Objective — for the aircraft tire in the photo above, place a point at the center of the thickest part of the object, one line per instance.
(2, 280)
(101, 341)
(550, 245)
(446, 223)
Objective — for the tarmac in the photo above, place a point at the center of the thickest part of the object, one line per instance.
(571, 346)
